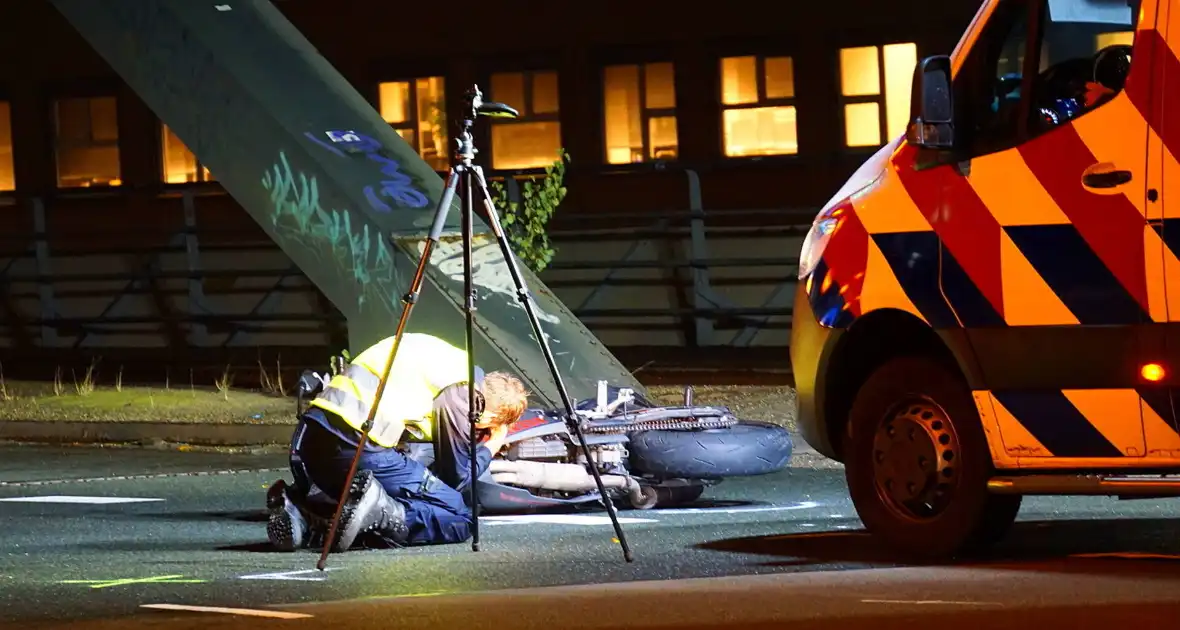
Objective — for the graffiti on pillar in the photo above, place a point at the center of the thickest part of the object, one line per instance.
(295, 203)
(339, 238)
(489, 268)
(398, 186)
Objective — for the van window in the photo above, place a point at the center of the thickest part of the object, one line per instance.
(987, 89)
(1083, 53)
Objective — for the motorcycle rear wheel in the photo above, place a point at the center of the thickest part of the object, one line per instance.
(745, 449)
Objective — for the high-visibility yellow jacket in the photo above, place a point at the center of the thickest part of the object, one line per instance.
(423, 367)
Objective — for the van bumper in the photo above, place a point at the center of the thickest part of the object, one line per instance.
(810, 347)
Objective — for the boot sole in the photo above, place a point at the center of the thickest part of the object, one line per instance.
(279, 528)
(280, 532)
(357, 488)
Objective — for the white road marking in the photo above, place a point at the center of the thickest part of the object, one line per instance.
(251, 612)
(804, 505)
(579, 519)
(78, 499)
(560, 519)
(926, 602)
(290, 575)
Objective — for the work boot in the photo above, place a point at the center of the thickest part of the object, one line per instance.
(370, 509)
(285, 526)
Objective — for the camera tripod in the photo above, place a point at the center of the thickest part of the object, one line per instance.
(470, 176)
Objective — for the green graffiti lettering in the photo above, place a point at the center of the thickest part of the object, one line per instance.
(359, 252)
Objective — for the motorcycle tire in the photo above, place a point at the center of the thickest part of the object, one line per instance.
(743, 450)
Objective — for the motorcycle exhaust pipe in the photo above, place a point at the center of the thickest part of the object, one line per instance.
(560, 477)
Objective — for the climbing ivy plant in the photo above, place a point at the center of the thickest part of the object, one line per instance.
(526, 222)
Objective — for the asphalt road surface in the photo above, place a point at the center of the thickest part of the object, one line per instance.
(106, 538)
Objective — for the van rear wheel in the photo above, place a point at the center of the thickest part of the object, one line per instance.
(918, 463)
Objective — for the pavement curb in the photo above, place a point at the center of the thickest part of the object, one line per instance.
(195, 433)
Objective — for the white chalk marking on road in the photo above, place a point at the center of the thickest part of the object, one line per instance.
(927, 602)
(251, 612)
(804, 505)
(78, 499)
(560, 519)
(289, 575)
(576, 519)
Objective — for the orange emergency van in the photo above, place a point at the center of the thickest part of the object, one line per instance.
(985, 309)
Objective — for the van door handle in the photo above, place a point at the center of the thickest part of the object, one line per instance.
(1104, 175)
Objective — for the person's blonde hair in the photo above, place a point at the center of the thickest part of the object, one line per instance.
(505, 399)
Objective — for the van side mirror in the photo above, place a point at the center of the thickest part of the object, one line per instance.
(932, 110)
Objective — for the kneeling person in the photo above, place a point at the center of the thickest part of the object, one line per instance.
(395, 499)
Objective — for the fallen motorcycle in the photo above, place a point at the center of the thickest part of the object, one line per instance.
(647, 455)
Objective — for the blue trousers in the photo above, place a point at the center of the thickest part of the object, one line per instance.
(435, 512)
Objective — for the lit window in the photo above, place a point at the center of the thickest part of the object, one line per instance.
(86, 142)
(534, 139)
(417, 112)
(7, 174)
(180, 165)
(867, 91)
(758, 111)
(639, 103)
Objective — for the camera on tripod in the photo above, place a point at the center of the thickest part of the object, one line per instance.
(467, 180)
(476, 106)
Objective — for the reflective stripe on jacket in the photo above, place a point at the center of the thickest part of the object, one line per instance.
(424, 366)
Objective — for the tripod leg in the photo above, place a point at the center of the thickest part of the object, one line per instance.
(525, 298)
(469, 311)
(408, 301)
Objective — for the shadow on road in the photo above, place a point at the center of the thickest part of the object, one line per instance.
(245, 516)
(1029, 543)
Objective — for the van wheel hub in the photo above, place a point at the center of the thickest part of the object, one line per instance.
(915, 453)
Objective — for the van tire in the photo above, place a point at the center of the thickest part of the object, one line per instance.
(913, 428)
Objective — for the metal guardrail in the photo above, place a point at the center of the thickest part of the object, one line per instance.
(705, 311)
(702, 311)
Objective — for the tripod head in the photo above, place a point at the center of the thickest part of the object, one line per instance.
(475, 106)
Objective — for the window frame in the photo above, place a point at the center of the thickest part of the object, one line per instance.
(762, 102)
(645, 113)
(51, 104)
(202, 177)
(880, 98)
(7, 99)
(526, 114)
(412, 121)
